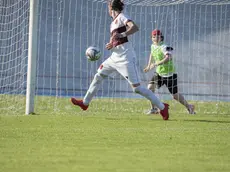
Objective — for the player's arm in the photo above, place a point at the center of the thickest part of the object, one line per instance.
(131, 29)
(167, 57)
(150, 64)
(110, 44)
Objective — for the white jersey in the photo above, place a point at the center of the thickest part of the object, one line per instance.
(122, 49)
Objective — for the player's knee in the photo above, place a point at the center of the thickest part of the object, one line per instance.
(99, 77)
(152, 87)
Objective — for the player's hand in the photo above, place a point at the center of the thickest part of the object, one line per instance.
(118, 35)
(109, 46)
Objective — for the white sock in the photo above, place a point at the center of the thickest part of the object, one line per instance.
(150, 96)
(93, 88)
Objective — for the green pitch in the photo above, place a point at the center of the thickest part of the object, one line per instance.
(62, 138)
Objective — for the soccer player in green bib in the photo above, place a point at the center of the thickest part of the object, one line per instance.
(161, 59)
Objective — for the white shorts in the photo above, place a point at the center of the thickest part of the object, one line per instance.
(126, 68)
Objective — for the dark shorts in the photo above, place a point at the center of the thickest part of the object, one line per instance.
(170, 82)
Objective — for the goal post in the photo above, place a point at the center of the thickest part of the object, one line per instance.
(32, 54)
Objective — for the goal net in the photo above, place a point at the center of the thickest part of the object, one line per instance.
(199, 32)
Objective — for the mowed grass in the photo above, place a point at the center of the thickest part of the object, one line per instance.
(106, 138)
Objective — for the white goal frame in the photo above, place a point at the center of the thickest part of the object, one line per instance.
(32, 54)
(159, 11)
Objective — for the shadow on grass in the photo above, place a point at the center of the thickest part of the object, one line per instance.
(34, 114)
(202, 120)
(170, 120)
(135, 118)
(122, 118)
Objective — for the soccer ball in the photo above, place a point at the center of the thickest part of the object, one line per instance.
(93, 53)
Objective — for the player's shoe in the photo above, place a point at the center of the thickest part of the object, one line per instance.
(153, 111)
(191, 109)
(79, 103)
(165, 112)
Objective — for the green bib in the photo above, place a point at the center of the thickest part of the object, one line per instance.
(157, 52)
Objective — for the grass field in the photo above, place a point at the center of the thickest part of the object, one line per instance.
(117, 140)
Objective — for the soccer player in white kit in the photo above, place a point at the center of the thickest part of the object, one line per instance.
(122, 60)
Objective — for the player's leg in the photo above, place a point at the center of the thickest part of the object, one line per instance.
(103, 71)
(154, 83)
(130, 73)
(137, 88)
(171, 83)
(180, 98)
(93, 88)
